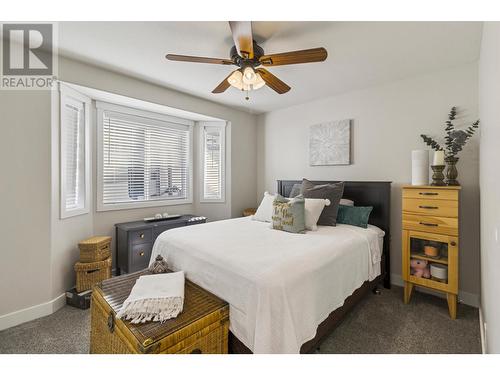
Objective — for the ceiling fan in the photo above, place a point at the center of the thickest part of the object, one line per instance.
(250, 59)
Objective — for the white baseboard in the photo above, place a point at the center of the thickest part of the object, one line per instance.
(482, 329)
(467, 298)
(34, 312)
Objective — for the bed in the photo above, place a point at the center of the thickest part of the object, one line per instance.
(286, 291)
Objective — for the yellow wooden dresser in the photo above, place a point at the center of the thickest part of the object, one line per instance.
(431, 234)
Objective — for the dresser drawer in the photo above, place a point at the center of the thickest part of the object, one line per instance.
(132, 234)
(159, 229)
(434, 207)
(140, 236)
(431, 194)
(432, 224)
(140, 256)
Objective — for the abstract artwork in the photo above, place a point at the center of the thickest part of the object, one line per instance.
(330, 143)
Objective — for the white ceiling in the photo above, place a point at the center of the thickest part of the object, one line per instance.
(360, 54)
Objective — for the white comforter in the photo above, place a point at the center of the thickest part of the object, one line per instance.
(279, 285)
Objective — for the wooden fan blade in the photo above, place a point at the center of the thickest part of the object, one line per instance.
(223, 86)
(242, 37)
(295, 57)
(273, 82)
(197, 59)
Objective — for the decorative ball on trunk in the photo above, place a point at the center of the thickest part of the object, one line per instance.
(159, 265)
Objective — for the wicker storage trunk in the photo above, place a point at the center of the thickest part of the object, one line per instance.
(89, 274)
(95, 249)
(202, 327)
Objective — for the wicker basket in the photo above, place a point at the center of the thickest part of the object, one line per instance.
(89, 274)
(201, 327)
(95, 249)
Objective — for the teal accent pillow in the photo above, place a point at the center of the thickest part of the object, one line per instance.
(289, 214)
(354, 215)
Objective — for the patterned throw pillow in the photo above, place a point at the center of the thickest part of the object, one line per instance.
(289, 214)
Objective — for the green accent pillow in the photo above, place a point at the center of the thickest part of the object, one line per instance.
(289, 214)
(354, 215)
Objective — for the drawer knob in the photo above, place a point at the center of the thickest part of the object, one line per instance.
(141, 235)
(453, 243)
(429, 207)
(428, 224)
(428, 193)
(196, 351)
(141, 253)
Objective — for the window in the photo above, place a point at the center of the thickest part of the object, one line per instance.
(75, 154)
(212, 163)
(145, 158)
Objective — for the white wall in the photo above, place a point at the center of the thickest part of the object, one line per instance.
(39, 249)
(25, 191)
(388, 120)
(489, 99)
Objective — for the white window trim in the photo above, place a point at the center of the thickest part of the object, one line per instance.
(202, 125)
(101, 107)
(66, 92)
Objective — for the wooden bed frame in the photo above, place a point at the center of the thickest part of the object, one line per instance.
(363, 193)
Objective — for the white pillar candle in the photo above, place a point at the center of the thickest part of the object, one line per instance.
(438, 158)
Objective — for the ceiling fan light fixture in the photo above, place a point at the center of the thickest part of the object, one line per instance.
(249, 76)
(259, 82)
(236, 79)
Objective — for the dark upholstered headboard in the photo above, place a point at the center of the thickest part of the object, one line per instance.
(363, 193)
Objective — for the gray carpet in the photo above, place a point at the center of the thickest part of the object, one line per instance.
(379, 324)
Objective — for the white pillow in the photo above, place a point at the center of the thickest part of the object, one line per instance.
(346, 202)
(313, 209)
(265, 210)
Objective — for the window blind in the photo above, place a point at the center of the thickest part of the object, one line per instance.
(213, 163)
(143, 159)
(73, 149)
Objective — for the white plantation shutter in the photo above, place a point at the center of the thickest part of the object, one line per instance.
(74, 150)
(213, 162)
(144, 160)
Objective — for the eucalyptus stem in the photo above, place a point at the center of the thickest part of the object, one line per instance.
(454, 140)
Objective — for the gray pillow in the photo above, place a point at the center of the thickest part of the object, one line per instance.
(333, 192)
(295, 190)
(289, 214)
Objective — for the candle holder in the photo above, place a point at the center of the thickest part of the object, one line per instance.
(438, 176)
(451, 171)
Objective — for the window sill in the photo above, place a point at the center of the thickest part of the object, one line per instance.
(66, 214)
(212, 201)
(134, 205)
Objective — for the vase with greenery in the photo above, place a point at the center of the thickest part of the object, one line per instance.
(454, 142)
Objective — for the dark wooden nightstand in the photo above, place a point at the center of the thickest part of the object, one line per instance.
(135, 239)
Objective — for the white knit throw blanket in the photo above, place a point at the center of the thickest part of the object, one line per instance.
(154, 297)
